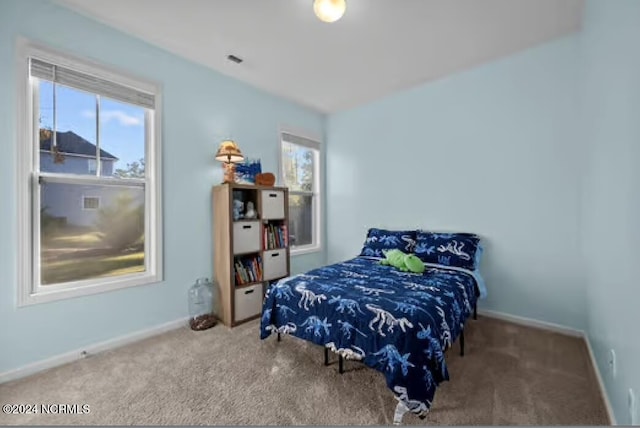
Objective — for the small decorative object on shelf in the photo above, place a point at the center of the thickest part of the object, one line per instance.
(238, 207)
(201, 315)
(251, 211)
(265, 179)
(246, 172)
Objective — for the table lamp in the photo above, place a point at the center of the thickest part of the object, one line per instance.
(230, 155)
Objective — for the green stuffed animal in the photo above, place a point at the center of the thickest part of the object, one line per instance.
(402, 261)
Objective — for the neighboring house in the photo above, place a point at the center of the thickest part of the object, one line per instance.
(78, 204)
(75, 155)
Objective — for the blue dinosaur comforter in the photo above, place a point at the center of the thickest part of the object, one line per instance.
(399, 323)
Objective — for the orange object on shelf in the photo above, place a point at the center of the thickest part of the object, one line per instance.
(265, 179)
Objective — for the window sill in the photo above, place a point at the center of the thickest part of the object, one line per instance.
(86, 290)
(300, 251)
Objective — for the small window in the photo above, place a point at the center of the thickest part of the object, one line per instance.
(300, 166)
(91, 203)
(92, 166)
(89, 176)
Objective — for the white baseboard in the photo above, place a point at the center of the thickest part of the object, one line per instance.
(78, 354)
(603, 391)
(557, 328)
(530, 322)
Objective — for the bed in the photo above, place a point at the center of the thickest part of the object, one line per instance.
(399, 323)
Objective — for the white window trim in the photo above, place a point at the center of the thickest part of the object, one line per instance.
(29, 292)
(298, 250)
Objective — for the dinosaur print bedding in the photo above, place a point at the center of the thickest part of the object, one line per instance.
(399, 323)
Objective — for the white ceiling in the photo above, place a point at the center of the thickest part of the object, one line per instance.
(378, 47)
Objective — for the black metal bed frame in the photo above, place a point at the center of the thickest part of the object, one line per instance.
(341, 358)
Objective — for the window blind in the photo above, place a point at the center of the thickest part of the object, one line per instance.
(86, 82)
(300, 141)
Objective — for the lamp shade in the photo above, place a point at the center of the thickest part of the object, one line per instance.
(329, 10)
(229, 152)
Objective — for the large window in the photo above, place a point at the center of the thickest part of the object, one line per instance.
(89, 178)
(300, 164)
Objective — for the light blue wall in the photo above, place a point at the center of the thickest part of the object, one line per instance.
(490, 150)
(611, 48)
(201, 108)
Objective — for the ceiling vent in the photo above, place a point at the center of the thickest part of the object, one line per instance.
(234, 58)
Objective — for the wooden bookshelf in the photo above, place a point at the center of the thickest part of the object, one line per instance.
(244, 240)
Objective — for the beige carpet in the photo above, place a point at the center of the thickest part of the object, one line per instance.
(511, 375)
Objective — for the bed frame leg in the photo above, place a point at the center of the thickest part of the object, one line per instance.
(340, 364)
(326, 356)
(475, 311)
(279, 337)
(462, 343)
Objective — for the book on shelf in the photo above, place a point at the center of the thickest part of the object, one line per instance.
(275, 236)
(248, 270)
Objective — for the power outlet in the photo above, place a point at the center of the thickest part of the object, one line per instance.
(612, 363)
(633, 408)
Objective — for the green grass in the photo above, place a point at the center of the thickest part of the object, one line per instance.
(73, 254)
(78, 240)
(91, 267)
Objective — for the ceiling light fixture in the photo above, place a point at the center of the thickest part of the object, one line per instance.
(329, 10)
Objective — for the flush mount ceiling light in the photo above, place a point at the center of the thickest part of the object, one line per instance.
(329, 10)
